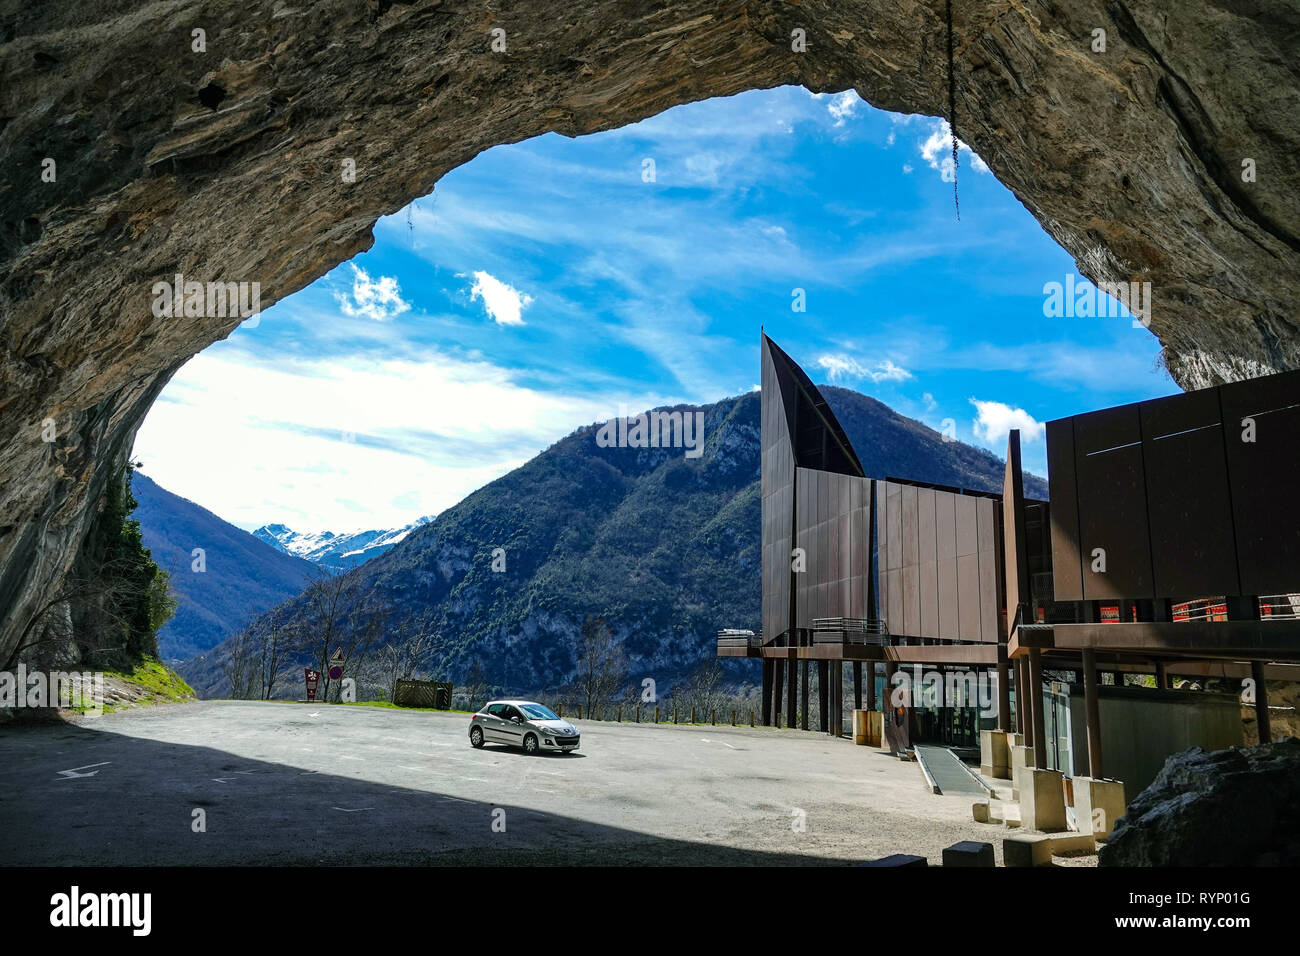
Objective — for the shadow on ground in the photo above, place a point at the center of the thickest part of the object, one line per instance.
(72, 794)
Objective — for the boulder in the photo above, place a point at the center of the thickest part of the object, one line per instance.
(1234, 807)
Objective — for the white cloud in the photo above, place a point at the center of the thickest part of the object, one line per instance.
(347, 442)
(838, 367)
(843, 105)
(503, 303)
(994, 420)
(374, 299)
(704, 169)
(936, 149)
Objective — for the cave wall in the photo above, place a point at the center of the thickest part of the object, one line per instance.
(226, 164)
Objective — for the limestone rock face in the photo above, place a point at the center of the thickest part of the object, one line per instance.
(225, 164)
(1234, 807)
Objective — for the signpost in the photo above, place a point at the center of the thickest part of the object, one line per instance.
(336, 664)
(312, 678)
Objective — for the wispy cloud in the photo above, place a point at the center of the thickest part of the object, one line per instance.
(843, 105)
(936, 149)
(840, 367)
(503, 303)
(379, 299)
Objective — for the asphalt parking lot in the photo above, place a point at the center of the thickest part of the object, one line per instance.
(231, 782)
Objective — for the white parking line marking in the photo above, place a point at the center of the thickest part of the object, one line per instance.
(73, 775)
(356, 810)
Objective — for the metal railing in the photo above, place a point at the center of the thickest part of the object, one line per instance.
(852, 630)
(735, 637)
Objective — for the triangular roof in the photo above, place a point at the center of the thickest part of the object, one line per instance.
(817, 439)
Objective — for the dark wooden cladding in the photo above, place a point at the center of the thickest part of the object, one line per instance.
(1113, 533)
(1062, 488)
(834, 528)
(1186, 483)
(1264, 476)
(940, 577)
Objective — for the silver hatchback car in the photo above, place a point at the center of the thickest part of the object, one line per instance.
(522, 723)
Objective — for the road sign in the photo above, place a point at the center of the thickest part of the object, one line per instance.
(312, 678)
(336, 672)
(338, 656)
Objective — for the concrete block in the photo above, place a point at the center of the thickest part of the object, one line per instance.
(867, 727)
(1037, 849)
(1042, 800)
(897, 859)
(1021, 757)
(980, 811)
(1026, 849)
(968, 853)
(1098, 805)
(995, 754)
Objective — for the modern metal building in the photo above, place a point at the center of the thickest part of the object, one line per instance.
(1155, 508)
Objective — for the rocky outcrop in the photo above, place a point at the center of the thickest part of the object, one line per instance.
(221, 155)
(1235, 807)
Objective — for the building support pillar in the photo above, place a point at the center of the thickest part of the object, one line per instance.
(837, 698)
(1004, 697)
(803, 688)
(857, 685)
(1024, 726)
(1036, 707)
(792, 697)
(778, 675)
(1261, 702)
(871, 685)
(1092, 713)
(823, 700)
(767, 692)
(1162, 675)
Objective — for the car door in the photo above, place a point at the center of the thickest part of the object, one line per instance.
(512, 726)
(492, 724)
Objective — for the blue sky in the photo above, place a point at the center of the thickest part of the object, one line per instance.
(544, 285)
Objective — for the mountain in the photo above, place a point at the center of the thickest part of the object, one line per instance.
(336, 552)
(241, 577)
(664, 547)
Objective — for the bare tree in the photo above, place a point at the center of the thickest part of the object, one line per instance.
(338, 612)
(705, 691)
(415, 644)
(602, 665)
(476, 685)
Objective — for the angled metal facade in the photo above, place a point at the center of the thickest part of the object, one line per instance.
(1179, 497)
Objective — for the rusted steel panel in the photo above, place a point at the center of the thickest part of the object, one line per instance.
(927, 563)
(988, 576)
(947, 580)
(1067, 573)
(894, 518)
(1113, 533)
(968, 597)
(1264, 475)
(967, 532)
(1193, 550)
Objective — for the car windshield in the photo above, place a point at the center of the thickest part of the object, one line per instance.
(538, 712)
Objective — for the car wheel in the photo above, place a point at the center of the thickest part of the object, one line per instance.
(530, 744)
(476, 736)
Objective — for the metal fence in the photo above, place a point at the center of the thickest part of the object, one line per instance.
(422, 693)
